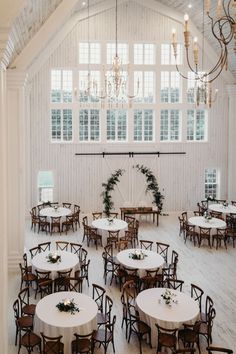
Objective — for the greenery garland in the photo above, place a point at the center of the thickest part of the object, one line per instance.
(108, 187)
(152, 186)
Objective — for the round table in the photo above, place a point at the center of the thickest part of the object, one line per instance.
(152, 309)
(220, 208)
(52, 212)
(104, 224)
(68, 260)
(52, 322)
(151, 261)
(213, 223)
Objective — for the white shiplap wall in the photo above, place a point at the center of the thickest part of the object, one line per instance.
(79, 179)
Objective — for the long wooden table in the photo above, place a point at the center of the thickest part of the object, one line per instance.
(141, 211)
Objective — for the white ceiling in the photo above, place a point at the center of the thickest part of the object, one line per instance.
(35, 13)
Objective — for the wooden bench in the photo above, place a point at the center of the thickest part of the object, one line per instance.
(140, 211)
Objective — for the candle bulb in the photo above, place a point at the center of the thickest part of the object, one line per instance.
(173, 36)
(195, 50)
(207, 5)
(186, 18)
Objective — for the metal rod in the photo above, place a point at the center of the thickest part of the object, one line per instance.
(129, 153)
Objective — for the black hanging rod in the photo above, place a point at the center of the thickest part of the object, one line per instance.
(130, 154)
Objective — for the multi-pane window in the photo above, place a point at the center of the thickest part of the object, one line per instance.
(61, 125)
(167, 55)
(211, 183)
(61, 86)
(196, 125)
(143, 125)
(117, 93)
(89, 53)
(144, 86)
(122, 49)
(89, 85)
(170, 125)
(89, 125)
(170, 87)
(116, 124)
(144, 54)
(45, 186)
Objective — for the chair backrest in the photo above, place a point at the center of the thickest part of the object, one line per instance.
(52, 345)
(42, 275)
(113, 215)
(175, 284)
(23, 297)
(184, 351)
(109, 250)
(205, 231)
(184, 216)
(162, 249)
(25, 260)
(168, 332)
(208, 306)
(44, 246)
(16, 309)
(85, 220)
(130, 221)
(62, 245)
(109, 330)
(122, 245)
(76, 208)
(83, 256)
(97, 215)
(212, 349)
(34, 250)
(196, 294)
(75, 284)
(55, 220)
(83, 343)
(108, 307)
(66, 205)
(75, 248)
(147, 245)
(64, 274)
(98, 296)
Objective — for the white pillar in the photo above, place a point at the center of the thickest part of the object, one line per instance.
(4, 305)
(16, 166)
(232, 143)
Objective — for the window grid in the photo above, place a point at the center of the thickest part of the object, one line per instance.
(146, 86)
(170, 125)
(211, 183)
(170, 87)
(116, 125)
(84, 79)
(196, 125)
(143, 125)
(89, 49)
(167, 55)
(89, 125)
(144, 54)
(61, 86)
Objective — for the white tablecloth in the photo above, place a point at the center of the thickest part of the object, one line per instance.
(152, 261)
(222, 209)
(52, 322)
(68, 260)
(61, 211)
(104, 224)
(211, 224)
(152, 309)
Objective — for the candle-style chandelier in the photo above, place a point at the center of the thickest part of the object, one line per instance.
(223, 29)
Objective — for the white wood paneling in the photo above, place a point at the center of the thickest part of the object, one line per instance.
(79, 179)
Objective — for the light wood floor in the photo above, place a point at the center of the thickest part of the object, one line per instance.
(214, 271)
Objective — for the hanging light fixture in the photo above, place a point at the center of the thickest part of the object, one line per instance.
(223, 29)
(87, 86)
(116, 80)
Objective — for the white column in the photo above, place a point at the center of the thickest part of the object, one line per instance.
(4, 305)
(16, 166)
(232, 143)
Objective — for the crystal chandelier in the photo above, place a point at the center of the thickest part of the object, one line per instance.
(201, 93)
(223, 28)
(116, 80)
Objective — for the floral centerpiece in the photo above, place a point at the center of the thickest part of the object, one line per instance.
(225, 204)
(169, 297)
(110, 220)
(137, 254)
(68, 305)
(54, 258)
(56, 207)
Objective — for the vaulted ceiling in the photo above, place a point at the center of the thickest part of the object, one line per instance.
(35, 13)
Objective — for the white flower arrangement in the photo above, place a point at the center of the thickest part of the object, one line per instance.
(54, 258)
(67, 305)
(137, 254)
(169, 297)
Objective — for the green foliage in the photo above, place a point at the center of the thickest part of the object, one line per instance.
(108, 188)
(152, 186)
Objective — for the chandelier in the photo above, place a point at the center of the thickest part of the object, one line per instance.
(223, 28)
(201, 93)
(116, 80)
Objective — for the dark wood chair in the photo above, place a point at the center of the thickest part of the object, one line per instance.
(162, 250)
(22, 323)
(147, 245)
(174, 284)
(55, 224)
(34, 218)
(205, 329)
(52, 345)
(105, 316)
(204, 234)
(82, 344)
(66, 205)
(84, 270)
(62, 245)
(68, 224)
(44, 225)
(75, 248)
(61, 283)
(43, 278)
(27, 278)
(103, 337)
(138, 328)
(189, 335)
(45, 246)
(197, 294)
(25, 307)
(94, 237)
(191, 233)
(167, 338)
(97, 215)
(34, 251)
(113, 237)
(98, 296)
(29, 340)
(220, 236)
